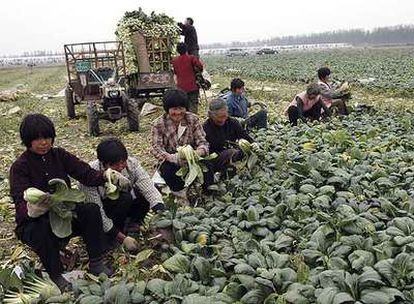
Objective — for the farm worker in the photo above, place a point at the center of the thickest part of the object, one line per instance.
(190, 36)
(132, 204)
(35, 167)
(222, 133)
(330, 96)
(177, 127)
(307, 104)
(185, 67)
(238, 106)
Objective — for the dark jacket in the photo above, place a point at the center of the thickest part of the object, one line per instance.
(33, 170)
(219, 136)
(190, 36)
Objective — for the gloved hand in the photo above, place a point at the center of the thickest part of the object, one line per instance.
(255, 147)
(130, 244)
(242, 121)
(172, 158)
(201, 152)
(158, 208)
(117, 179)
(36, 210)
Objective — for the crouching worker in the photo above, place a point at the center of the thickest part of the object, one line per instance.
(177, 127)
(222, 134)
(332, 98)
(307, 104)
(40, 163)
(124, 214)
(238, 107)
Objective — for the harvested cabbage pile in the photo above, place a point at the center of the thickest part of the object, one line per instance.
(153, 25)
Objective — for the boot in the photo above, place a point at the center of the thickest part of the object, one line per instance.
(63, 284)
(97, 266)
(132, 228)
(181, 197)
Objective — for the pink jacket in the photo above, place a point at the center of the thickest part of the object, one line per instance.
(307, 103)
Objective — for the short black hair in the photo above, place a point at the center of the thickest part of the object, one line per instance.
(36, 126)
(313, 89)
(190, 20)
(111, 151)
(175, 98)
(182, 48)
(323, 72)
(236, 83)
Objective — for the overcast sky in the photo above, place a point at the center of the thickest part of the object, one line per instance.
(47, 24)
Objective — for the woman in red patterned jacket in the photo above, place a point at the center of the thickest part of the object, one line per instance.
(177, 127)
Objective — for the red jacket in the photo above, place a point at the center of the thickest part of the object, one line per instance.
(183, 66)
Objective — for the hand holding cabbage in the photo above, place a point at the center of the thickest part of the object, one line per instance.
(40, 201)
(115, 182)
(60, 203)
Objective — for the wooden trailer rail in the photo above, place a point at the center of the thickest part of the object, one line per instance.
(94, 55)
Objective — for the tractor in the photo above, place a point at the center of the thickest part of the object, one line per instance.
(97, 75)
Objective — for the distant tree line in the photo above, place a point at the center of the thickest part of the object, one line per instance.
(38, 53)
(400, 34)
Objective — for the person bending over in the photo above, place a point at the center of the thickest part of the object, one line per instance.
(124, 214)
(307, 105)
(222, 134)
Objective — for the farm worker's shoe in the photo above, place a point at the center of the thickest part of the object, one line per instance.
(181, 197)
(97, 266)
(132, 228)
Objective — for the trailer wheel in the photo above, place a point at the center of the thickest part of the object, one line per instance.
(93, 118)
(70, 104)
(133, 111)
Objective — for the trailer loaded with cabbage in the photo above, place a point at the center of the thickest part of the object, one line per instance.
(115, 78)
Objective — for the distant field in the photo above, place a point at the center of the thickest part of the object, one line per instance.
(373, 68)
(37, 80)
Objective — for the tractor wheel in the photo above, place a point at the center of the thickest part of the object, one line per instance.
(93, 119)
(133, 111)
(70, 105)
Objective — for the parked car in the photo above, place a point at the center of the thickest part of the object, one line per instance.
(236, 52)
(266, 51)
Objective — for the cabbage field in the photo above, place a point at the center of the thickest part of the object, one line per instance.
(391, 69)
(326, 216)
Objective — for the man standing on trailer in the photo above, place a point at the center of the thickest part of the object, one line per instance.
(185, 67)
(190, 36)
